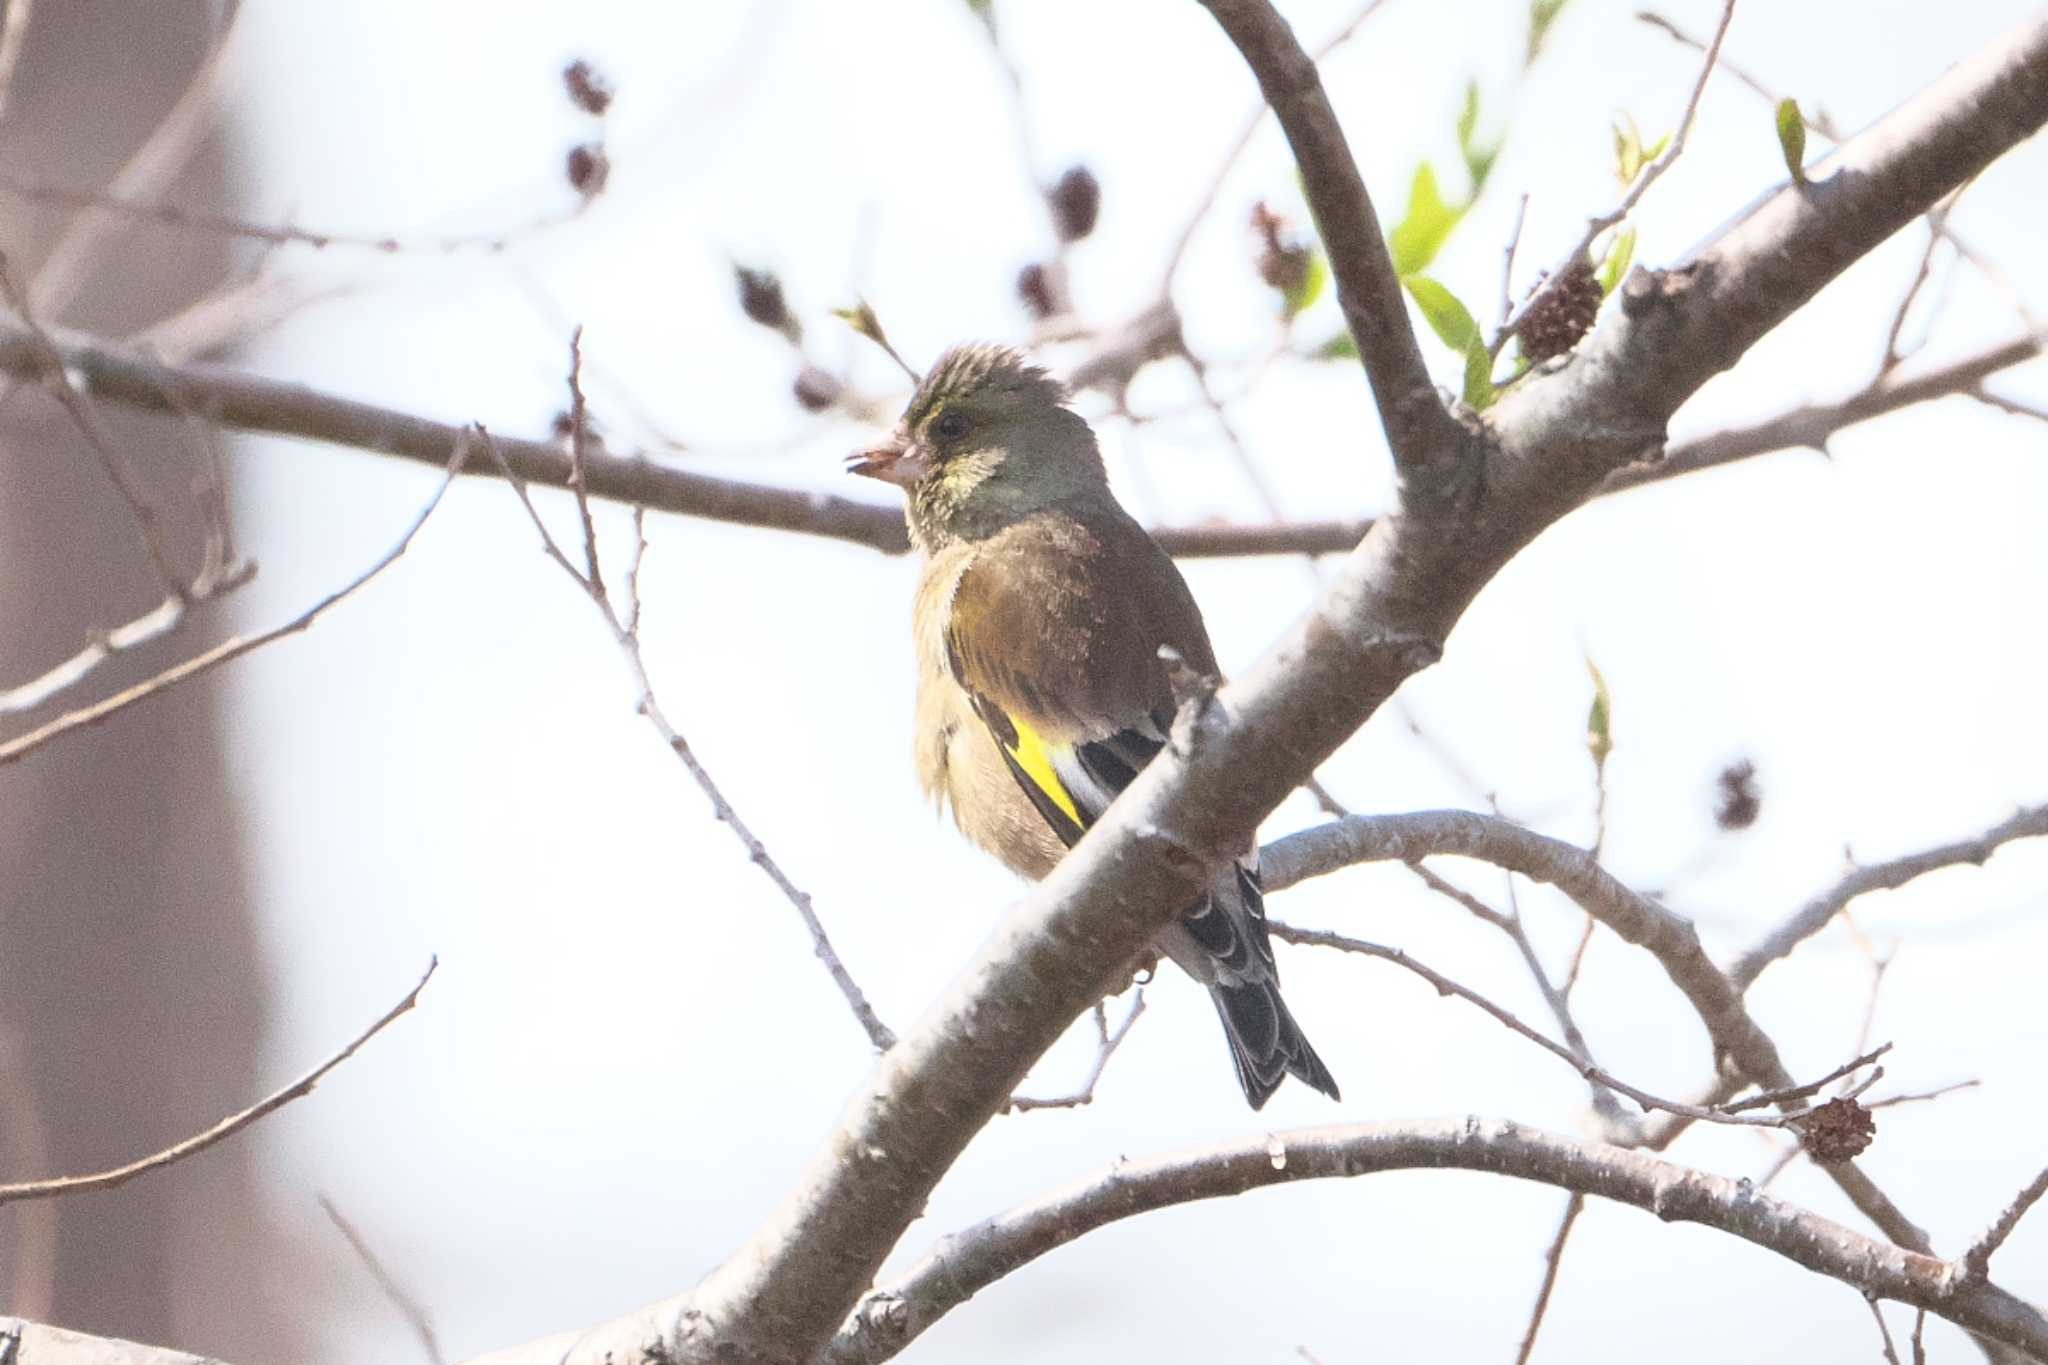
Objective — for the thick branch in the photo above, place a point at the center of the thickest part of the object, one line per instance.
(1419, 430)
(1667, 937)
(970, 1261)
(271, 407)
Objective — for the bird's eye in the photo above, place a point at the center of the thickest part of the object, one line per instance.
(951, 426)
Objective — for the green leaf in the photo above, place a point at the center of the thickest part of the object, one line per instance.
(1656, 149)
(1479, 156)
(1615, 268)
(1468, 119)
(1342, 346)
(1542, 14)
(1446, 316)
(1599, 722)
(1315, 277)
(1479, 391)
(861, 317)
(1420, 234)
(1628, 149)
(1792, 139)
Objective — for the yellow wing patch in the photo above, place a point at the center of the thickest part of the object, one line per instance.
(1034, 758)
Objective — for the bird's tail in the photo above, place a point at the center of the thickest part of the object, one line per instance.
(1265, 1042)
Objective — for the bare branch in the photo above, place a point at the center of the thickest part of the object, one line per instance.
(227, 651)
(1108, 1040)
(1889, 875)
(1420, 432)
(591, 581)
(276, 234)
(408, 1305)
(1243, 140)
(1977, 1260)
(1598, 1076)
(113, 462)
(1812, 425)
(1552, 1260)
(892, 1316)
(220, 1132)
(1669, 938)
(245, 402)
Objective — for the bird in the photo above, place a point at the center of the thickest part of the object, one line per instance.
(1038, 620)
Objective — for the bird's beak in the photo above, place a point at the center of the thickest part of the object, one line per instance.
(895, 461)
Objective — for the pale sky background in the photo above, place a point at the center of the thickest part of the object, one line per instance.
(630, 1052)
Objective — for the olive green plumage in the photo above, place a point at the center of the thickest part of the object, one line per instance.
(1038, 621)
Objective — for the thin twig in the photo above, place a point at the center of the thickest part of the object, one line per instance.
(1646, 177)
(56, 379)
(1343, 35)
(1322, 938)
(1812, 425)
(628, 642)
(1507, 266)
(1621, 1124)
(1891, 1353)
(1918, 1096)
(197, 220)
(226, 1128)
(1889, 875)
(1800, 1092)
(1977, 1260)
(1107, 1041)
(154, 624)
(1892, 356)
(70, 264)
(227, 651)
(1552, 1259)
(408, 1305)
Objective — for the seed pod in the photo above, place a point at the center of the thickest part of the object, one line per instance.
(816, 389)
(1837, 1131)
(1035, 288)
(589, 168)
(1740, 800)
(1076, 200)
(1561, 315)
(588, 91)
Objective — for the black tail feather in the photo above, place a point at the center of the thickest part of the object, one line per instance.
(1265, 1042)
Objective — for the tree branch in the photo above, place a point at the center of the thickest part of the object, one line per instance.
(971, 1260)
(245, 402)
(1667, 937)
(220, 1132)
(1420, 432)
(1812, 425)
(1889, 875)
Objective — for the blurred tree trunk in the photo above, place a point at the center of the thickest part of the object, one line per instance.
(133, 992)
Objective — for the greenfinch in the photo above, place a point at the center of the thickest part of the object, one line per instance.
(1038, 620)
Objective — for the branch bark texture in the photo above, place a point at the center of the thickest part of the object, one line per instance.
(977, 1257)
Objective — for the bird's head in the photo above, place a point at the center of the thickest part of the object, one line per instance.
(986, 439)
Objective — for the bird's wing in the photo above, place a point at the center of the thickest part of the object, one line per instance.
(1054, 633)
